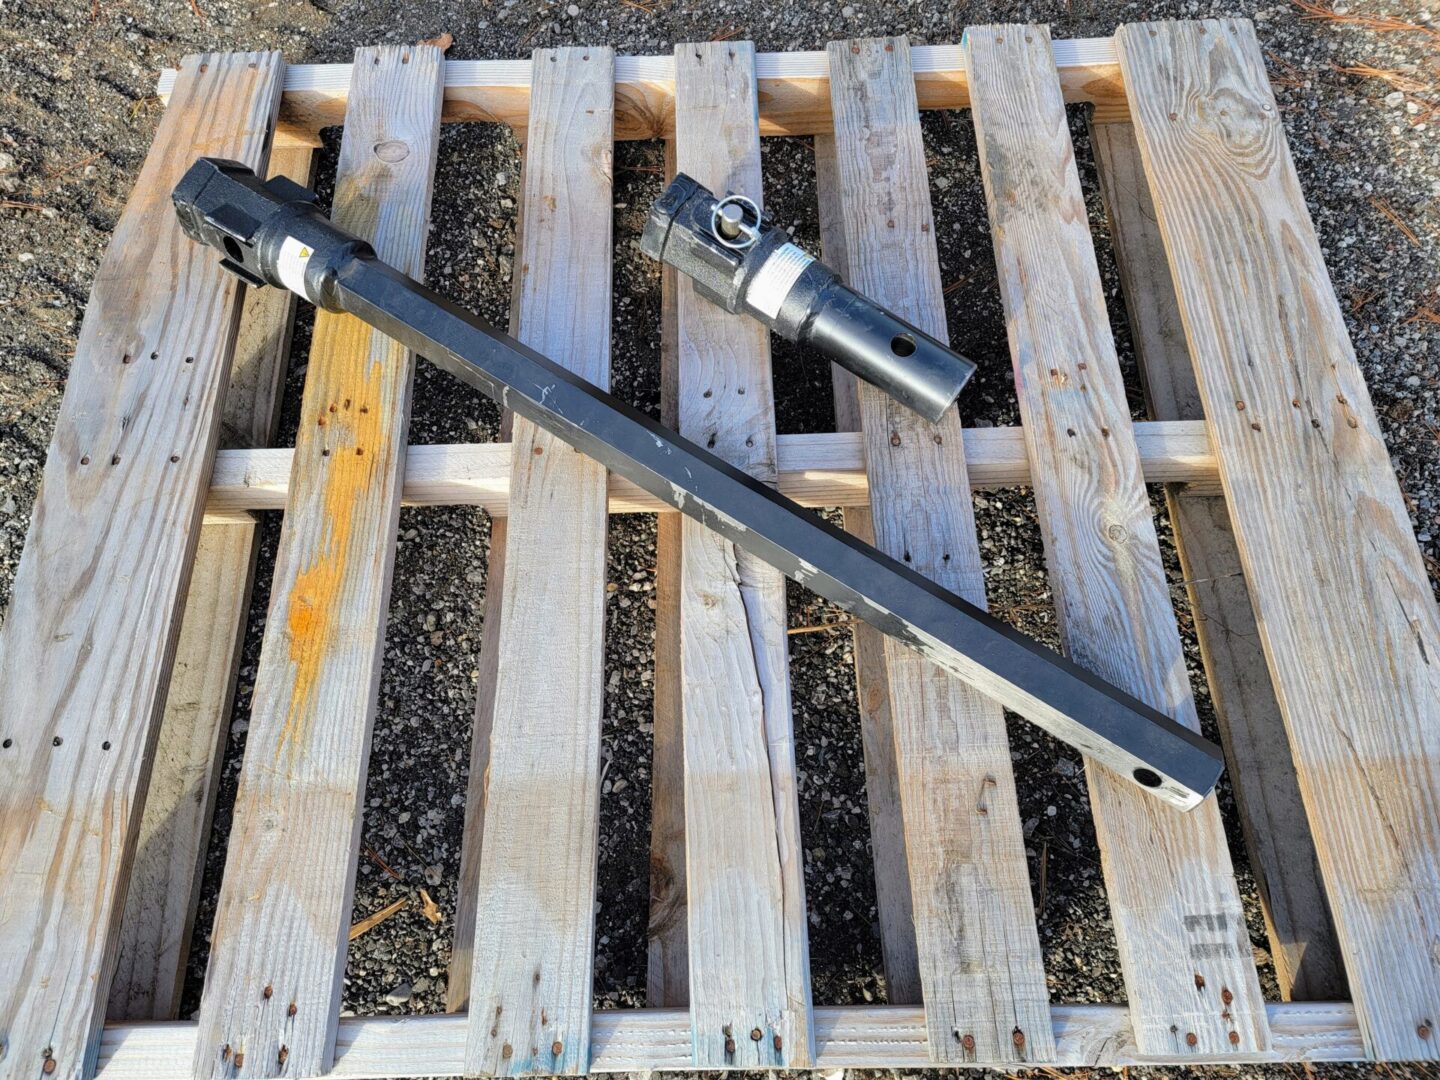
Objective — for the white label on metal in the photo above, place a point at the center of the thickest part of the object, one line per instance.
(294, 256)
(775, 278)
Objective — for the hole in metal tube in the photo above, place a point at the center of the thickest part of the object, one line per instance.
(902, 345)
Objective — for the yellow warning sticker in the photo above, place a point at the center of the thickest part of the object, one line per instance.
(291, 265)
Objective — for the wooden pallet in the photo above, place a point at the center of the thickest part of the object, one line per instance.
(1316, 616)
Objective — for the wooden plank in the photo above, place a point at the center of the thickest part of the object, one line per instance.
(794, 90)
(979, 954)
(457, 998)
(1341, 596)
(636, 1040)
(457, 987)
(815, 470)
(534, 941)
(1179, 923)
(667, 980)
(749, 956)
(272, 991)
(95, 608)
(1272, 815)
(877, 730)
(180, 798)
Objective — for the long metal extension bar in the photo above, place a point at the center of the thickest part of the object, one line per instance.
(274, 234)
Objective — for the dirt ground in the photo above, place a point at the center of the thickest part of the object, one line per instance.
(77, 111)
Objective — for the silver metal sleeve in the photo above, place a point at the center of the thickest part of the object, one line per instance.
(775, 278)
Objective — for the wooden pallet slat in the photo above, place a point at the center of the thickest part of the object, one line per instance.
(530, 985)
(793, 87)
(636, 1040)
(95, 607)
(749, 956)
(164, 888)
(1341, 596)
(272, 990)
(894, 908)
(457, 997)
(979, 953)
(1267, 794)
(815, 470)
(1190, 980)
(667, 976)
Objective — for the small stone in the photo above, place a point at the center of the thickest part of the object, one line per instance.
(501, 179)
(848, 11)
(572, 10)
(8, 508)
(399, 996)
(26, 257)
(434, 874)
(7, 161)
(1394, 100)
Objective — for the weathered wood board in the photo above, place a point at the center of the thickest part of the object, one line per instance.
(979, 954)
(95, 609)
(1341, 597)
(272, 991)
(749, 954)
(530, 984)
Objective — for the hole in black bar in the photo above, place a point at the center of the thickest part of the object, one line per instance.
(233, 250)
(902, 345)
(1146, 777)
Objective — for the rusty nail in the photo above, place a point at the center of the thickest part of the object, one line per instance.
(49, 1066)
(1225, 995)
(778, 1043)
(1191, 1038)
(1423, 1031)
(1234, 1038)
(1199, 981)
(539, 450)
(730, 1046)
(284, 1053)
(292, 1010)
(557, 1047)
(756, 1034)
(268, 992)
(894, 438)
(1240, 405)
(240, 1060)
(1018, 1038)
(968, 1042)
(506, 1051)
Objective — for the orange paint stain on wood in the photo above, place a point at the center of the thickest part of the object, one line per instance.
(352, 381)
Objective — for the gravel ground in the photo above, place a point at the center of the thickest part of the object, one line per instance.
(77, 113)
